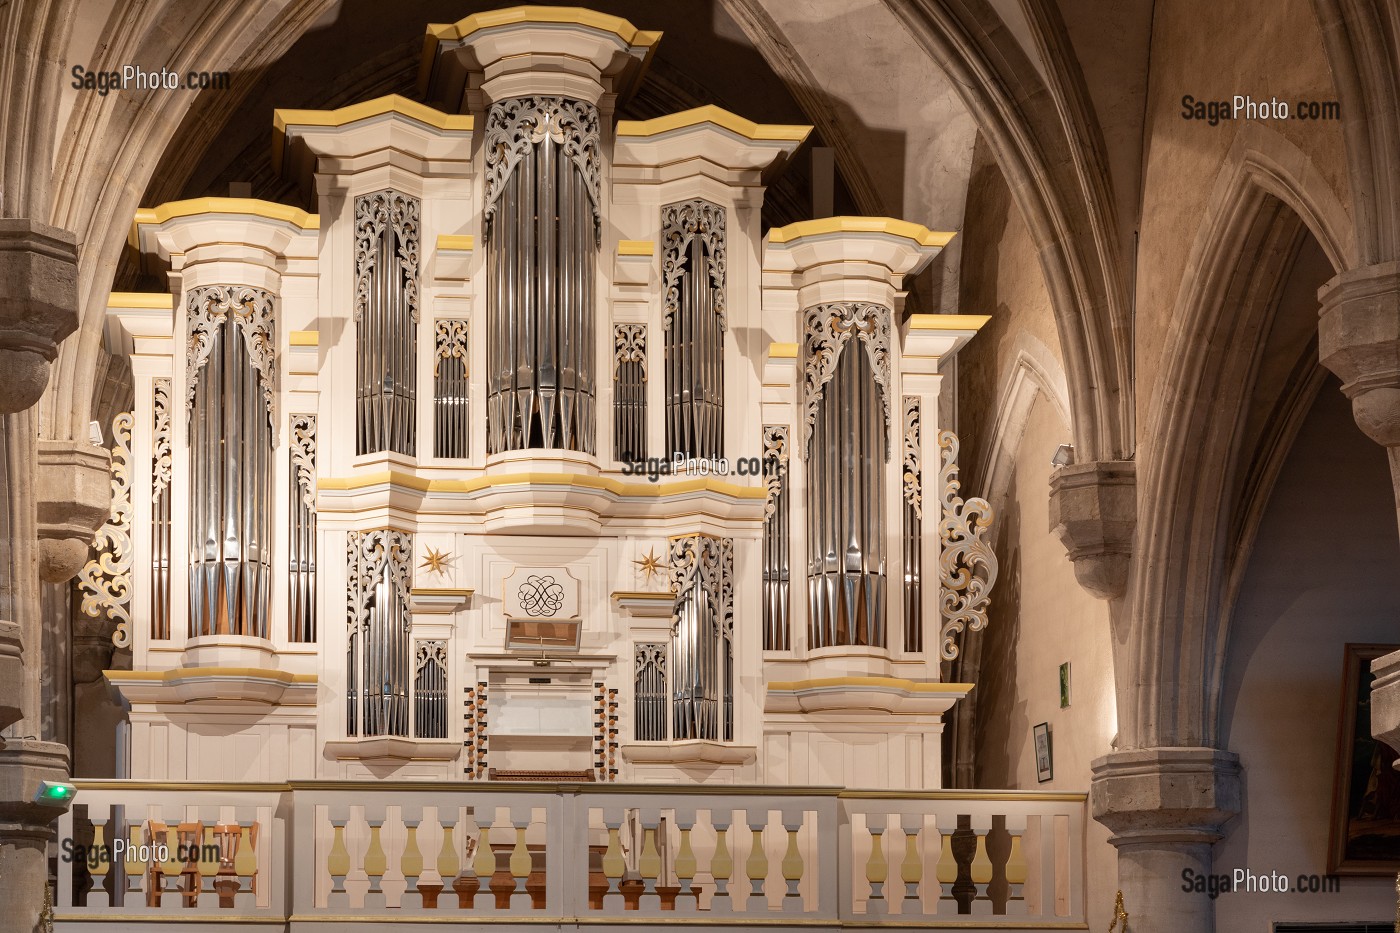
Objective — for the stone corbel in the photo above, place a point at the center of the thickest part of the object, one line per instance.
(75, 498)
(1359, 340)
(11, 674)
(1385, 701)
(38, 306)
(1165, 796)
(1093, 510)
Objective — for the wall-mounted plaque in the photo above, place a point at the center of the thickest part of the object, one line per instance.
(545, 593)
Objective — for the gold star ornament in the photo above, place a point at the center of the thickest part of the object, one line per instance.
(436, 561)
(651, 565)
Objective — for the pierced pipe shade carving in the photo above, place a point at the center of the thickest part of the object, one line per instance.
(649, 690)
(451, 395)
(231, 336)
(913, 495)
(629, 392)
(301, 547)
(692, 271)
(777, 546)
(105, 580)
(386, 317)
(702, 638)
(380, 625)
(847, 409)
(967, 565)
(430, 690)
(542, 228)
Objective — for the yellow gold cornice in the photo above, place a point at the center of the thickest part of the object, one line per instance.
(717, 116)
(249, 207)
(636, 248)
(645, 490)
(304, 338)
(163, 301)
(891, 226)
(782, 351)
(945, 322)
(353, 113)
(465, 242)
(187, 673)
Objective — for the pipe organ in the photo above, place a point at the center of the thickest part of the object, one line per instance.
(400, 486)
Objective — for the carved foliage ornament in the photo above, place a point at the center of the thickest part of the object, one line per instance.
(368, 554)
(105, 581)
(630, 346)
(430, 652)
(516, 125)
(966, 564)
(374, 213)
(680, 225)
(304, 457)
(450, 343)
(828, 329)
(160, 452)
(706, 562)
(210, 307)
(913, 455)
(775, 452)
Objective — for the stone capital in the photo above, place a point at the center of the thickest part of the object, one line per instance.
(75, 497)
(38, 306)
(1165, 797)
(1093, 511)
(11, 674)
(24, 764)
(1359, 341)
(1385, 700)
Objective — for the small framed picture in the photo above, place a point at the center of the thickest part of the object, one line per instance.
(1044, 755)
(1064, 685)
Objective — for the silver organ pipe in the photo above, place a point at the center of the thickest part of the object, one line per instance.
(386, 318)
(161, 464)
(913, 552)
(702, 638)
(230, 394)
(692, 268)
(380, 623)
(301, 549)
(542, 229)
(451, 434)
(649, 689)
(776, 544)
(629, 392)
(847, 384)
(430, 690)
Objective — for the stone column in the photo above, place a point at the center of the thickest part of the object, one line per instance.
(1359, 341)
(1166, 808)
(38, 308)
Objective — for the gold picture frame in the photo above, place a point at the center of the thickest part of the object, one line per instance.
(1365, 833)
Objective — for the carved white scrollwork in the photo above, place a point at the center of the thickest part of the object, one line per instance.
(209, 308)
(450, 343)
(430, 652)
(967, 566)
(913, 455)
(160, 445)
(680, 225)
(630, 346)
(105, 581)
(373, 213)
(775, 451)
(369, 554)
(516, 125)
(828, 329)
(707, 562)
(303, 446)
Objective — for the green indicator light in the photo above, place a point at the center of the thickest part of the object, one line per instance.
(55, 793)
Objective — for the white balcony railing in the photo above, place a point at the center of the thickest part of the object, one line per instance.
(301, 855)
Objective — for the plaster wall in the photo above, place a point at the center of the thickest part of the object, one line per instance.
(1321, 575)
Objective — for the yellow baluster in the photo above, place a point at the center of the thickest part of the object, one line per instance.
(722, 864)
(411, 864)
(1016, 870)
(877, 870)
(757, 865)
(245, 862)
(685, 861)
(650, 862)
(171, 865)
(99, 839)
(207, 864)
(981, 864)
(792, 864)
(448, 864)
(947, 864)
(520, 861)
(613, 863)
(911, 870)
(485, 863)
(376, 862)
(338, 861)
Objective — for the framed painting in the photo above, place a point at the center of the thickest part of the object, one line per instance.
(1044, 756)
(1365, 837)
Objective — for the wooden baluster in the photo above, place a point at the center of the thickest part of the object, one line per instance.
(375, 864)
(911, 869)
(337, 864)
(97, 895)
(188, 855)
(245, 861)
(614, 865)
(1016, 872)
(756, 866)
(793, 866)
(947, 871)
(485, 863)
(998, 842)
(722, 863)
(688, 899)
(981, 870)
(226, 883)
(520, 862)
(139, 870)
(411, 862)
(171, 866)
(649, 862)
(877, 869)
(207, 865)
(964, 851)
(448, 864)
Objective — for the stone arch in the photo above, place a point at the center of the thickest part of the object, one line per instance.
(1203, 466)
